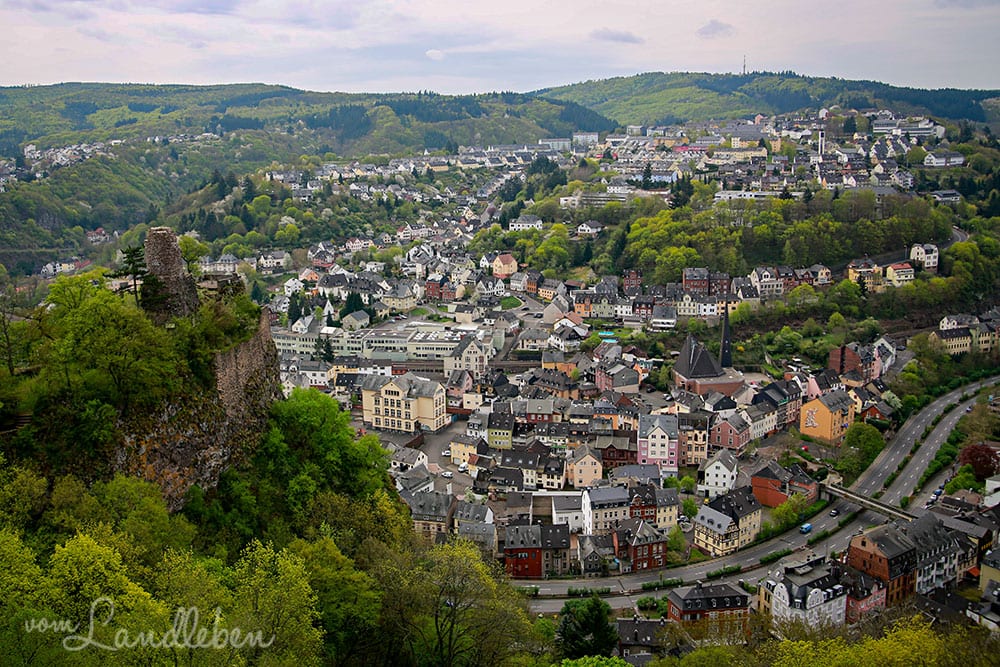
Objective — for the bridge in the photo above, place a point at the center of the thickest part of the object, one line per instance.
(866, 502)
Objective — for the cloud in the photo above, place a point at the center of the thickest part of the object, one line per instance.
(209, 7)
(622, 36)
(715, 29)
(98, 34)
(966, 4)
(435, 54)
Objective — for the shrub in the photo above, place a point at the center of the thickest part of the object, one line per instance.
(729, 569)
(774, 555)
(662, 583)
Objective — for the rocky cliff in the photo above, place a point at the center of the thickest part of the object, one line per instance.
(192, 440)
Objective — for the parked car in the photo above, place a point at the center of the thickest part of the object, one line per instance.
(447, 474)
(446, 452)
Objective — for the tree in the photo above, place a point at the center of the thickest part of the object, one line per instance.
(7, 325)
(688, 484)
(352, 304)
(675, 539)
(133, 266)
(347, 600)
(192, 250)
(272, 595)
(789, 513)
(983, 460)
(964, 479)
(647, 176)
(690, 507)
(584, 629)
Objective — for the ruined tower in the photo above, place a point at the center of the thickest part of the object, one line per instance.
(171, 292)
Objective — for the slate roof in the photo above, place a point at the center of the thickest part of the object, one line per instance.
(695, 361)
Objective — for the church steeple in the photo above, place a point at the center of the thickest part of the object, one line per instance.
(726, 348)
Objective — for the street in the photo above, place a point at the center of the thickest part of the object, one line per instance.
(869, 482)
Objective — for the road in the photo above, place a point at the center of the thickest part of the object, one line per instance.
(868, 482)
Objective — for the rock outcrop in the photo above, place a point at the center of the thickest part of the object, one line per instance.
(192, 439)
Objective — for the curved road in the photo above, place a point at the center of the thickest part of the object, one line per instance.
(627, 588)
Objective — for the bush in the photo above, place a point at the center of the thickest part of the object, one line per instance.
(774, 555)
(818, 537)
(647, 603)
(729, 569)
(530, 591)
(662, 583)
(587, 592)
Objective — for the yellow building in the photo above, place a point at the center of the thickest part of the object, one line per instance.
(405, 403)
(827, 417)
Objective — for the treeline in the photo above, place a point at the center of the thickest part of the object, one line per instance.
(432, 108)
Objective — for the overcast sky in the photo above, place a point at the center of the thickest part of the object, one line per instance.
(453, 46)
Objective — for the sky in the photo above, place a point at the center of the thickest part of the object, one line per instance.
(469, 46)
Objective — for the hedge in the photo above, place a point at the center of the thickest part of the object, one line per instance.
(729, 569)
(662, 583)
(818, 537)
(773, 556)
(587, 592)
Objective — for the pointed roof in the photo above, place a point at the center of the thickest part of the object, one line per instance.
(695, 361)
(726, 350)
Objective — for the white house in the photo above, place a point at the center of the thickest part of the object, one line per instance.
(717, 475)
(926, 254)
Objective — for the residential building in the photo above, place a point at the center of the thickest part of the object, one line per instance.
(926, 255)
(568, 509)
(584, 468)
(522, 551)
(431, 512)
(504, 265)
(719, 603)
(805, 589)
(728, 523)
(604, 508)
(470, 355)
(774, 485)
(828, 417)
(717, 475)
(654, 505)
(405, 403)
(887, 554)
(639, 545)
(657, 440)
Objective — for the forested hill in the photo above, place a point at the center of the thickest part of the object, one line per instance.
(661, 98)
(347, 124)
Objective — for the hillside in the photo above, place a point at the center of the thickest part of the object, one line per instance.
(668, 97)
(349, 124)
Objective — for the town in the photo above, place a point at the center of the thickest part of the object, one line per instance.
(520, 414)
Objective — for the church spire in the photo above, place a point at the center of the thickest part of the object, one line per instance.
(726, 348)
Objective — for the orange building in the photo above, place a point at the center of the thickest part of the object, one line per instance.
(827, 417)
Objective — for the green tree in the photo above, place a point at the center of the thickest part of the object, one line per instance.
(348, 602)
(690, 507)
(584, 629)
(352, 304)
(272, 595)
(688, 484)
